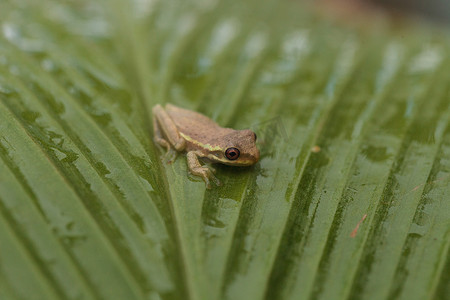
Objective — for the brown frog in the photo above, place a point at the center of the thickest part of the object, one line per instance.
(201, 137)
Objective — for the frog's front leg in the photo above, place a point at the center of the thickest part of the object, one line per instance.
(197, 169)
(163, 126)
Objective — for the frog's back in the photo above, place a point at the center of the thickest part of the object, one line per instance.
(192, 124)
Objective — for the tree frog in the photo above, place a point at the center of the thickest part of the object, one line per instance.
(201, 137)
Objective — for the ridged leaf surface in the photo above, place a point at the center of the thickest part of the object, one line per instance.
(350, 199)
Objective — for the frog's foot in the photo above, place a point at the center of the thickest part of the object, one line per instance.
(170, 156)
(212, 172)
(217, 181)
(207, 175)
(198, 170)
(211, 168)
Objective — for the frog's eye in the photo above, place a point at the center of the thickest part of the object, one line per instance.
(232, 153)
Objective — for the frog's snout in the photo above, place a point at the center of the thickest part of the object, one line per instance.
(256, 155)
(250, 158)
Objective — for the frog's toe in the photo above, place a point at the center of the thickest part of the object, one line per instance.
(207, 176)
(210, 174)
(171, 156)
(207, 183)
(217, 181)
(212, 169)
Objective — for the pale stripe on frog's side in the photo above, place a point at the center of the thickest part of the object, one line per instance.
(204, 146)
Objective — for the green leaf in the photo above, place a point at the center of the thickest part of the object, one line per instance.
(348, 201)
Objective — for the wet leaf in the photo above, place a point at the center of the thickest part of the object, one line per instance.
(348, 201)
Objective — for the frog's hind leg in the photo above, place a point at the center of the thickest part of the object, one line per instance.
(163, 127)
(167, 127)
(198, 170)
(158, 137)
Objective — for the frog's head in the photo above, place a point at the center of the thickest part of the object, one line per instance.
(237, 148)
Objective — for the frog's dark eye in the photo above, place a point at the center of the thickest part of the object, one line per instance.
(232, 153)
